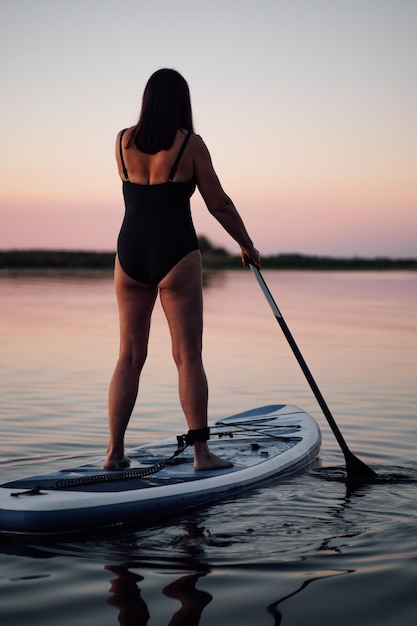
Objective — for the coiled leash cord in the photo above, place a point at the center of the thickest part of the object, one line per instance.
(183, 441)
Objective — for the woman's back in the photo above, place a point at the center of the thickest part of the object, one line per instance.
(154, 169)
(157, 229)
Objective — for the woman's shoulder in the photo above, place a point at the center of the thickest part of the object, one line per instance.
(127, 132)
(197, 143)
(194, 137)
(200, 151)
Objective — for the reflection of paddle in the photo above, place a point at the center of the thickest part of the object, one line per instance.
(356, 469)
(272, 608)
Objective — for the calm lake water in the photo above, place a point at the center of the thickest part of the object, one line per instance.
(299, 551)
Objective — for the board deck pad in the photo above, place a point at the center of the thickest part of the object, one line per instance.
(261, 443)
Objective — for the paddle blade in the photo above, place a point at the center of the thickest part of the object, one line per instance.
(358, 470)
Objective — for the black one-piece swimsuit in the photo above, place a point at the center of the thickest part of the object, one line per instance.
(157, 229)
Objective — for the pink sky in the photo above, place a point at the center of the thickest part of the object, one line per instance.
(309, 115)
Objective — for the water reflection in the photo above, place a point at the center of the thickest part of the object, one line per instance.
(133, 610)
(126, 593)
(192, 600)
(358, 332)
(324, 525)
(273, 607)
(126, 596)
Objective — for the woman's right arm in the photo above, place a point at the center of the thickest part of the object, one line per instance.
(219, 204)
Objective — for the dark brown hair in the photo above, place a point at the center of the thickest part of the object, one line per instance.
(166, 107)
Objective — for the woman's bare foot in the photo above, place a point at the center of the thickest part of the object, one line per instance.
(210, 463)
(205, 460)
(112, 463)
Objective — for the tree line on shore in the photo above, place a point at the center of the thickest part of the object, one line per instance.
(213, 258)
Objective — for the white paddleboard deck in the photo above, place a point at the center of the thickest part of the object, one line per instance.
(262, 443)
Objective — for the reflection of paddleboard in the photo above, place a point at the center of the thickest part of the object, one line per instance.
(262, 443)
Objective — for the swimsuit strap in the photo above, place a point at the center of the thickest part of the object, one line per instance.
(179, 155)
(173, 168)
(125, 174)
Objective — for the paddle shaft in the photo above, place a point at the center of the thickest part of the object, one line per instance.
(353, 465)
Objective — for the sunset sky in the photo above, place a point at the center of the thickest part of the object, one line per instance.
(308, 108)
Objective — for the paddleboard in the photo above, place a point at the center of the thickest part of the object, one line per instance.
(262, 443)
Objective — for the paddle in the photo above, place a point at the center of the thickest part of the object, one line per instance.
(356, 469)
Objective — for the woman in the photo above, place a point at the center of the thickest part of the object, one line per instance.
(160, 161)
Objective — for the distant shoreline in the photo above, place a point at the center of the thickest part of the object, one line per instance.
(213, 259)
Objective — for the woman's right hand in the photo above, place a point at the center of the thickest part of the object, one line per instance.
(251, 256)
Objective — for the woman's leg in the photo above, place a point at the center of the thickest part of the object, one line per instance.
(135, 302)
(182, 301)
